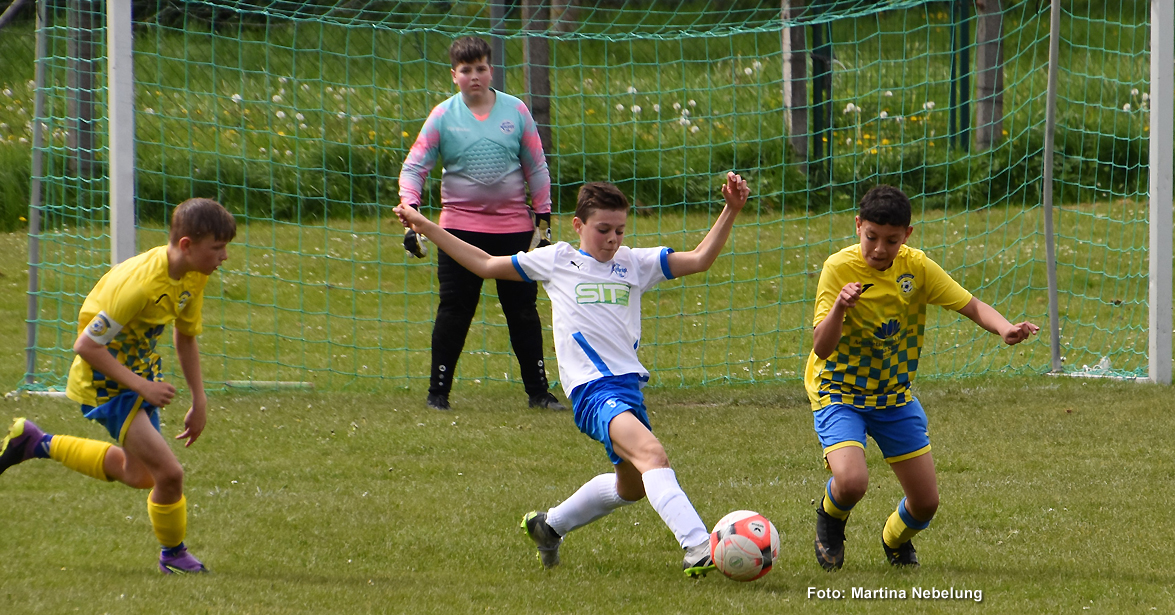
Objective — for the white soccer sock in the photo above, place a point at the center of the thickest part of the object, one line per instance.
(674, 507)
(593, 500)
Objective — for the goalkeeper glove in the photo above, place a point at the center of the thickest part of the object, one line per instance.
(415, 244)
(542, 231)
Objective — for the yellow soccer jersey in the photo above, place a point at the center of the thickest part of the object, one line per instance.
(126, 312)
(877, 355)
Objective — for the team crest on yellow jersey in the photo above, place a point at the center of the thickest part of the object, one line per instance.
(906, 283)
(184, 297)
(99, 326)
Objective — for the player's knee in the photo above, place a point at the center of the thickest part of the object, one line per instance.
(924, 507)
(650, 456)
(851, 488)
(169, 477)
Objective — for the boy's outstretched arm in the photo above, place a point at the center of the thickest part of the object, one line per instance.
(188, 353)
(470, 257)
(990, 319)
(735, 191)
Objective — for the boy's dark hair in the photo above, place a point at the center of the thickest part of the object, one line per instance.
(885, 205)
(468, 50)
(595, 196)
(199, 218)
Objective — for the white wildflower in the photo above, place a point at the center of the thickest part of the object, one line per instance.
(262, 150)
(685, 113)
(693, 103)
(289, 153)
(149, 111)
(883, 115)
(748, 70)
(693, 129)
(677, 106)
(236, 98)
(656, 108)
(888, 94)
(305, 87)
(1126, 107)
(276, 98)
(631, 90)
(7, 92)
(282, 80)
(756, 65)
(620, 106)
(299, 117)
(281, 115)
(1134, 91)
(1146, 96)
(636, 109)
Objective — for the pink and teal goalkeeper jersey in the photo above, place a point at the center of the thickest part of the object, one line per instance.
(486, 162)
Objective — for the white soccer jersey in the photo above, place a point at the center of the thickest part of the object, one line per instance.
(596, 307)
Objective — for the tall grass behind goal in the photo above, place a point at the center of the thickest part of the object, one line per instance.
(297, 117)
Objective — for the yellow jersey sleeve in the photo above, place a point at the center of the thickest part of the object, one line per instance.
(190, 320)
(827, 289)
(942, 289)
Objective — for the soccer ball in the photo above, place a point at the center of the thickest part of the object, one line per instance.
(744, 545)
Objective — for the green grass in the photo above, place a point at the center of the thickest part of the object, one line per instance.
(306, 503)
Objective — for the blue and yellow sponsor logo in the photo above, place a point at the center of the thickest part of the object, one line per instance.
(887, 330)
(602, 292)
(184, 298)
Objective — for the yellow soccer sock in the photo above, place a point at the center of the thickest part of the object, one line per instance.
(830, 506)
(81, 455)
(170, 521)
(901, 526)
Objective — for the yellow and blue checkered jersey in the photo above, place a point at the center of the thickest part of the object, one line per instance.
(877, 355)
(126, 312)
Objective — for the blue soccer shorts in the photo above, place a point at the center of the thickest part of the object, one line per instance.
(116, 414)
(599, 401)
(901, 432)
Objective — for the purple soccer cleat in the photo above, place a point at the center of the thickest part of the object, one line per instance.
(177, 560)
(20, 444)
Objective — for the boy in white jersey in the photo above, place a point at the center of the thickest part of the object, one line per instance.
(117, 378)
(595, 296)
(869, 325)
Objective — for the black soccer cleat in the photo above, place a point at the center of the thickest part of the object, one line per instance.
(544, 536)
(545, 401)
(438, 401)
(904, 555)
(830, 540)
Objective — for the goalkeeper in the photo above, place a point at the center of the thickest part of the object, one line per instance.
(491, 151)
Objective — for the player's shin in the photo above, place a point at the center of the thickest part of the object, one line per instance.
(80, 455)
(595, 499)
(901, 526)
(673, 505)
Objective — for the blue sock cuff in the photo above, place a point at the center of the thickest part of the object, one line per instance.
(172, 550)
(909, 519)
(828, 492)
(41, 451)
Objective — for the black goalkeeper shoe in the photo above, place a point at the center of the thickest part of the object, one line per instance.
(545, 401)
(904, 555)
(438, 401)
(830, 540)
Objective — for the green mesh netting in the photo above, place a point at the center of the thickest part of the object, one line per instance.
(297, 116)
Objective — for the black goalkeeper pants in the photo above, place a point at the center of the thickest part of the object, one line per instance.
(460, 292)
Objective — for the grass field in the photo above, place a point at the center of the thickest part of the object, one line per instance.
(1053, 500)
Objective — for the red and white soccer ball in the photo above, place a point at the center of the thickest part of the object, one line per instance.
(744, 545)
